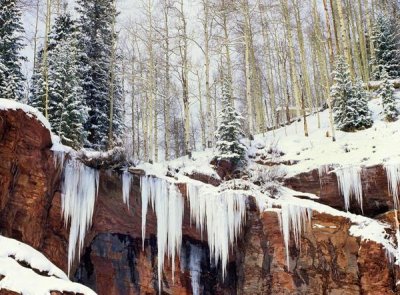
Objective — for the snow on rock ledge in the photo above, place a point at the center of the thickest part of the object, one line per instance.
(38, 277)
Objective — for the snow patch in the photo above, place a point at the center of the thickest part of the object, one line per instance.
(24, 280)
(79, 192)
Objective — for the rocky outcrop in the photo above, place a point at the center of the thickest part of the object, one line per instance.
(328, 261)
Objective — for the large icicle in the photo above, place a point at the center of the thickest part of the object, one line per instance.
(349, 181)
(126, 186)
(195, 267)
(293, 220)
(223, 213)
(166, 199)
(79, 191)
(393, 178)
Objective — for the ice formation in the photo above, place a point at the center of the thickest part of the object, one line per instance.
(393, 177)
(195, 268)
(126, 186)
(349, 181)
(79, 191)
(168, 204)
(293, 219)
(323, 170)
(223, 213)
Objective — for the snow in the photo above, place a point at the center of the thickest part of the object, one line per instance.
(126, 186)
(26, 281)
(349, 182)
(79, 191)
(363, 148)
(7, 104)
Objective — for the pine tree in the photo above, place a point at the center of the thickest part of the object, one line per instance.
(96, 41)
(364, 119)
(11, 43)
(386, 42)
(350, 113)
(229, 131)
(66, 108)
(386, 91)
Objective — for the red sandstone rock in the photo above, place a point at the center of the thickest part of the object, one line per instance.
(329, 261)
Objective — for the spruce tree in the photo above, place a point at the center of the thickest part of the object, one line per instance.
(386, 42)
(67, 110)
(229, 131)
(386, 92)
(364, 119)
(11, 43)
(96, 41)
(350, 103)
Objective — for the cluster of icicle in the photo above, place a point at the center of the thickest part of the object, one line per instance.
(79, 191)
(349, 181)
(222, 214)
(293, 219)
(393, 178)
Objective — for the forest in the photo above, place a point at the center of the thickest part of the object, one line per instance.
(164, 78)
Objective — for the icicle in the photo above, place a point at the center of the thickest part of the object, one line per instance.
(323, 170)
(293, 220)
(126, 186)
(393, 178)
(79, 191)
(349, 181)
(58, 157)
(223, 213)
(195, 268)
(168, 204)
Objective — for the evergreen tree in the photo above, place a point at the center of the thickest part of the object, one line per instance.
(96, 41)
(350, 104)
(11, 43)
(229, 131)
(67, 110)
(387, 56)
(364, 119)
(386, 91)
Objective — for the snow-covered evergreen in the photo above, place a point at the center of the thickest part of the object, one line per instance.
(66, 108)
(364, 119)
(11, 43)
(386, 43)
(229, 131)
(386, 93)
(350, 103)
(96, 41)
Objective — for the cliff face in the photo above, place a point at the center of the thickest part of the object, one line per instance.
(114, 261)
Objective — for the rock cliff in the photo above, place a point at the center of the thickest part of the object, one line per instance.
(328, 261)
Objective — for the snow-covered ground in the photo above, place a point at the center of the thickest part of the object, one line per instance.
(376, 145)
(40, 279)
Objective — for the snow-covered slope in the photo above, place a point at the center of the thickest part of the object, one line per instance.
(376, 145)
(28, 272)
